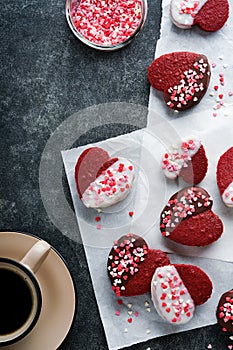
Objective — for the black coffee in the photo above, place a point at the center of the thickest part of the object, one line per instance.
(15, 301)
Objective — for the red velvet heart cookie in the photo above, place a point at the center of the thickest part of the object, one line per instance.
(131, 265)
(182, 76)
(177, 289)
(102, 181)
(225, 177)
(224, 311)
(188, 219)
(209, 15)
(187, 160)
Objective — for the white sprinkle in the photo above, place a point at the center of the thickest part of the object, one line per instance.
(148, 331)
(126, 330)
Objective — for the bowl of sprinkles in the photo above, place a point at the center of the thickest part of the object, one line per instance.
(106, 25)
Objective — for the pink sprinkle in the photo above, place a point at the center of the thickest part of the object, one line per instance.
(230, 347)
(230, 93)
(214, 65)
(117, 313)
(106, 22)
(136, 314)
(215, 114)
(99, 226)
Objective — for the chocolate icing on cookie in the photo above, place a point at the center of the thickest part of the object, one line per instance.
(192, 86)
(224, 311)
(124, 260)
(184, 204)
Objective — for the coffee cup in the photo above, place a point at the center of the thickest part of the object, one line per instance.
(20, 293)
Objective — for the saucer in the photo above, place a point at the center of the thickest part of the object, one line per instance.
(58, 294)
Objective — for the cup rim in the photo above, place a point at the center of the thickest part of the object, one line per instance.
(39, 300)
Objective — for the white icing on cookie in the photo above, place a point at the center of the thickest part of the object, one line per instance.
(111, 187)
(178, 156)
(227, 196)
(170, 296)
(183, 12)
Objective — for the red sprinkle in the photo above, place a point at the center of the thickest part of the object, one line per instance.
(97, 219)
(119, 302)
(106, 22)
(215, 87)
(131, 213)
(130, 320)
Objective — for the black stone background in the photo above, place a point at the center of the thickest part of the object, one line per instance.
(47, 75)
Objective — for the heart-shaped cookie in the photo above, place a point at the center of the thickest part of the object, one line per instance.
(225, 177)
(131, 265)
(209, 15)
(102, 181)
(177, 289)
(182, 76)
(224, 311)
(188, 219)
(187, 160)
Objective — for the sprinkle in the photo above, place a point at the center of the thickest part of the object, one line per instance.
(126, 330)
(127, 256)
(214, 65)
(117, 313)
(220, 58)
(215, 114)
(99, 226)
(215, 87)
(119, 302)
(97, 218)
(130, 305)
(131, 213)
(191, 83)
(146, 303)
(178, 209)
(136, 314)
(209, 346)
(230, 347)
(130, 320)
(106, 22)
(148, 309)
(148, 331)
(230, 93)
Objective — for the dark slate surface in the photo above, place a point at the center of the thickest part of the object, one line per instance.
(46, 76)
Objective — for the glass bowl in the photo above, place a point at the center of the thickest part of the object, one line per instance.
(109, 28)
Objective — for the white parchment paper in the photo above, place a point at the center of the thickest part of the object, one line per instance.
(217, 46)
(209, 121)
(146, 200)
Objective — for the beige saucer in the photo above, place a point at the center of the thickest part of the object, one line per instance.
(57, 292)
